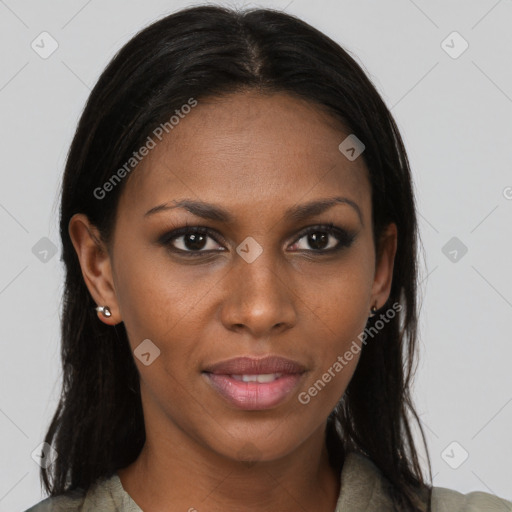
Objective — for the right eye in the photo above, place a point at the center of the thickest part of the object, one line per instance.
(192, 239)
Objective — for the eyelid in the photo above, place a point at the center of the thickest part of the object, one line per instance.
(172, 235)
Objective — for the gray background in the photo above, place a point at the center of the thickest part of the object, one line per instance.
(455, 115)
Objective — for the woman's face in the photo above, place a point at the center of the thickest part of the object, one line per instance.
(248, 166)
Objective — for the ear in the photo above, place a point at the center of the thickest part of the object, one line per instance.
(96, 265)
(385, 260)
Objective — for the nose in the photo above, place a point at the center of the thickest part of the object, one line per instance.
(259, 298)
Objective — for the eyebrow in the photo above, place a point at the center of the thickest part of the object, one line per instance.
(217, 213)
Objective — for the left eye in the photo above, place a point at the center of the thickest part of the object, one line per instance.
(317, 237)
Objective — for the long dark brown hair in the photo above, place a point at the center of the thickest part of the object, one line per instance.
(209, 51)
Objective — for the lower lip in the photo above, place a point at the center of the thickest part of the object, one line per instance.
(254, 395)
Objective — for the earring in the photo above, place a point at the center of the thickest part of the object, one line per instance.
(373, 311)
(104, 310)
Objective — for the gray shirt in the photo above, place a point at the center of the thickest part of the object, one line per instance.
(363, 489)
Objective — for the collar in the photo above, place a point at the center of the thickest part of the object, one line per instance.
(363, 489)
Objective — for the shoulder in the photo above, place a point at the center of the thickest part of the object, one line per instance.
(106, 494)
(363, 483)
(69, 502)
(448, 500)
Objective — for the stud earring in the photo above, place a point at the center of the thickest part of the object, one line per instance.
(104, 310)
(373, 311)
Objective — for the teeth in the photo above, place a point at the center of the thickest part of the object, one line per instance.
(264, 377)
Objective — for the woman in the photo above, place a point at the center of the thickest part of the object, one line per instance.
(239, 320)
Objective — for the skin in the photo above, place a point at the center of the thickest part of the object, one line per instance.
(256, 156)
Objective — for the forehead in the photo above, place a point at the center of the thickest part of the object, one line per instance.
(249, 149)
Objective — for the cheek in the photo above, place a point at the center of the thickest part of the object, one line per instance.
(166, 309)
(338, 307)
(338, 298)
(168, 305)
(336, 355)
(157, 300)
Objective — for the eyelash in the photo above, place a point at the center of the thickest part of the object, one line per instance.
(345, 238)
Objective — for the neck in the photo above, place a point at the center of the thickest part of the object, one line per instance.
(175, 469)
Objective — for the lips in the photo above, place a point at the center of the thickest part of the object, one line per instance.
(253, 366)
(255, 384)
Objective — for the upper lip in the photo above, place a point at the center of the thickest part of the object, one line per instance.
(256, 366)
